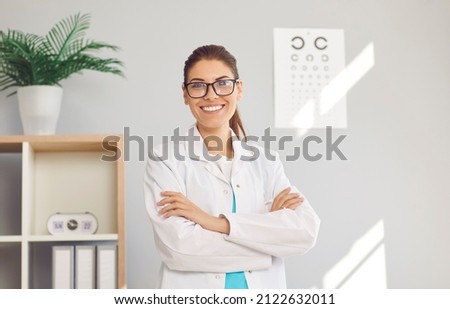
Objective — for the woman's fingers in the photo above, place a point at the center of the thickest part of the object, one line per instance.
(166, 213)
(279, 199)
(175, 209)
(286, 199)
(281, 195)
(168, 200)
(294, 203)
(170, 197)
(176, 204)
(172, 203)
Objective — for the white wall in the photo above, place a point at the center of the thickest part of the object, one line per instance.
(396, 179)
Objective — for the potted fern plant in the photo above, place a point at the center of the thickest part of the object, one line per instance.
(34, 66)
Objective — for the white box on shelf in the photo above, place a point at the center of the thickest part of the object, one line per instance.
(85, 267)
(107, 266)
(63, 267)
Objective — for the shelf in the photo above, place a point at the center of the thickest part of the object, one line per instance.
(54, 238)
(72, 182)
(13, 143)
(4, 239)
(40, 259)
(44, 175)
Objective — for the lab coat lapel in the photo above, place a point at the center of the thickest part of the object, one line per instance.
(214, 169)
(241, 155)
(199, 151)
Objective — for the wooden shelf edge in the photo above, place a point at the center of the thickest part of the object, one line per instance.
(74, 238)
(91, 142)
(10, 238)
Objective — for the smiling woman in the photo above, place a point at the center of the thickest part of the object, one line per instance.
(212, 90)
(221, 221)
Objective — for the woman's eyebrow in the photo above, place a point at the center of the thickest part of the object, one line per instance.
(202, 80)
(197, 79)
(222, 77)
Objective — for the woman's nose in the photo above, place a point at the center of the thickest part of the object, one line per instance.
(210, 92)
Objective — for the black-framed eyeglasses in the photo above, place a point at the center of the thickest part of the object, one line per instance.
(222, 87)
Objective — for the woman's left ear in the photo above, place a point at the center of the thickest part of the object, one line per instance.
(240, 88)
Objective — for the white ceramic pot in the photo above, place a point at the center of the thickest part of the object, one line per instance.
(39, 108)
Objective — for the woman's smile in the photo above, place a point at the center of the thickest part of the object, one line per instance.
(210, 109)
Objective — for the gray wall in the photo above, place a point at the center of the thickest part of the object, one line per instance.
(397, 146)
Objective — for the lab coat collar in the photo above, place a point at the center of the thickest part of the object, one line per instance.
(194, 145)
(199, 150)
(199, 147)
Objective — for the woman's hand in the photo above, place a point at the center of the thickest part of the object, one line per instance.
(285, 199)
(176, 204)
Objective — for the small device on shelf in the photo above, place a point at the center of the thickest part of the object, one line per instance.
(72, 223)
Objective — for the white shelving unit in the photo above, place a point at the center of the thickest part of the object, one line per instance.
(43, 175)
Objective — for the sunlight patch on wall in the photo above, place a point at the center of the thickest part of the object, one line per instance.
(346, 79)
(331, 96)
(364, 266)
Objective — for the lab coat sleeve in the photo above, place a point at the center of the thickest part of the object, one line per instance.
(280, 233)
(184, 245)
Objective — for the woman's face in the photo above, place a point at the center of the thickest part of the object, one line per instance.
(212, 112)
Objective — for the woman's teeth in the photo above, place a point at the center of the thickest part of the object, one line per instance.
(212, 108)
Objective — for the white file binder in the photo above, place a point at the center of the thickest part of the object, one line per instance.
(63, 267)
(85, 267)
(107, 266)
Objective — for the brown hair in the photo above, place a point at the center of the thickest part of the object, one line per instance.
(216, 52)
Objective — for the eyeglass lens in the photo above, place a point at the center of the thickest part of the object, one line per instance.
(220, 87)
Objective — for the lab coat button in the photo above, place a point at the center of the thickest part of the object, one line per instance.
(249, 271)
(217, 276)
(225, 191)
(238, 186)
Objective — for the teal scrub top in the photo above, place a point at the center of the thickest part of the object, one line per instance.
(235, 280)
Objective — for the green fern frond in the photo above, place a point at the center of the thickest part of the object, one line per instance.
(67, 31)
(80, 62)
(18, 43)
(87, 46)
(29, 59)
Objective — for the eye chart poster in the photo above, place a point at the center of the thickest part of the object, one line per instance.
(309, 69)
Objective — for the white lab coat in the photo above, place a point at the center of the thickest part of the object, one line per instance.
(193, 257)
